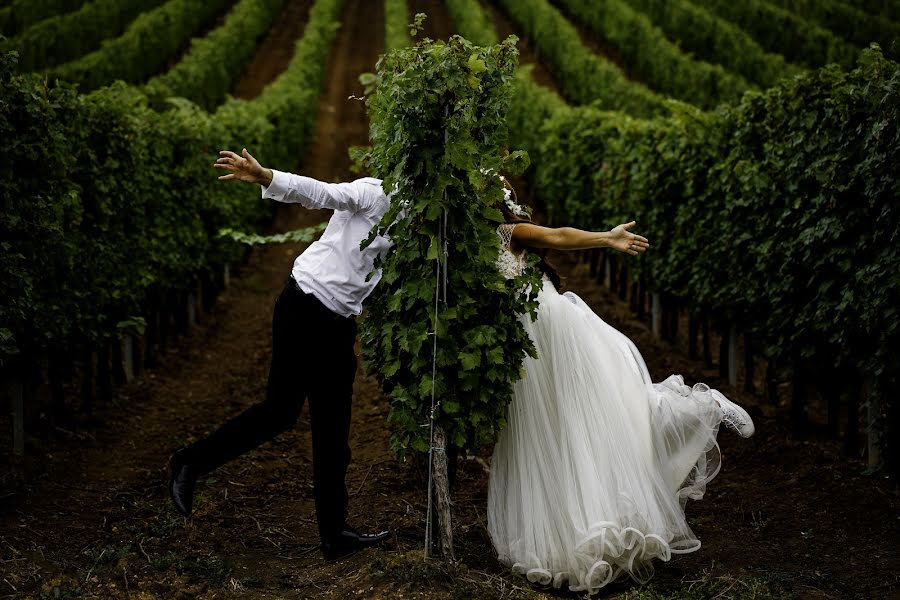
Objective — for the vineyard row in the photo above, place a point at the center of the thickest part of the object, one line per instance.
(110, 211)
(762, 212)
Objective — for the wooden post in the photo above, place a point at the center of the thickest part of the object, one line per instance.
(732, 356)
(165, 322)
(749, 386)
(104, 374)
(191, 311)
(851, 437)
(118, 362)
(151, 348)
(594, 257)
(127, 349)
(772, 383)
(17, 399)
(873, 423)
(57, 394)
(831, 390)
(209, 291)
(673, 318)
(623, 281)
(139, 348)
(151, 334)
(442, 492)
(607, 271)
(664, 318)
(226, 275)
(87, 382)
(179, 304)
(641, 300)
(707, 344)
(655, 314)
(798, 397)
(723, 353)
(693, 332)
(634, 299)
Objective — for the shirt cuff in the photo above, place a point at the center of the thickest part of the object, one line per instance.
(277, 189)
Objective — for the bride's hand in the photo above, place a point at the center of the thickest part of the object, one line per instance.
(243, 168)
(624, 241)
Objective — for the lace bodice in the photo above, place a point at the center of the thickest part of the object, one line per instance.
(510, 265)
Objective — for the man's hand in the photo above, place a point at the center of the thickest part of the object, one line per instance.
(624, 241)
(243, 168)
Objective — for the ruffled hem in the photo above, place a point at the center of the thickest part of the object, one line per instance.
(609, 552)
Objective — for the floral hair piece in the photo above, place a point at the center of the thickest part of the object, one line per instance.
(510, 198)
(509, 195)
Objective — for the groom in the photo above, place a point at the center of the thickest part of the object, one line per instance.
(313, 357)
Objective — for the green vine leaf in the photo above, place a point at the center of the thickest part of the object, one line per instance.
(306, 234)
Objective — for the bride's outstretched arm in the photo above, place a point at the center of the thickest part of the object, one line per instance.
(570, 238)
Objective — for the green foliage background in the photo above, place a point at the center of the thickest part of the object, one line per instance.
(107, 202)
(150, 41)
(65, 37)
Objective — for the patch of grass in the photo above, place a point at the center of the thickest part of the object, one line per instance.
(709, 586)
(62, 587)
(252, 582)
(164, 562)
(198, 569)
(411, 572)
(109, 554)
(157, 518)
(205, 569)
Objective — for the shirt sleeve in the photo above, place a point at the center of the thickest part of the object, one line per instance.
(312, 193)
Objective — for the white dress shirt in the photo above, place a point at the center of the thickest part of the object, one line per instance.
(334, 269)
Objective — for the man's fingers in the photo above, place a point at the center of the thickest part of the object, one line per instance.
(228, 153)
(641, 238)
(221, 166)
(227, 177)
(628, 225)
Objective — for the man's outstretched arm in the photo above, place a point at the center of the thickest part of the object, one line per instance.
(288, 187)
(243, 168)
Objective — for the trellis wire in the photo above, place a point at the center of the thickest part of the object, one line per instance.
(440, 283)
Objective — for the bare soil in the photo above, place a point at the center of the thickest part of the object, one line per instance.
(95, 520)
(275, 51)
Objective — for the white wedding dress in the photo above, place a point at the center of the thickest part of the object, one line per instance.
(589, 479)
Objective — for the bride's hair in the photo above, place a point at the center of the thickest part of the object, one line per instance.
(510, 217)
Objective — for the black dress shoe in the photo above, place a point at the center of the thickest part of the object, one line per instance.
(182, 478)
(348, 541)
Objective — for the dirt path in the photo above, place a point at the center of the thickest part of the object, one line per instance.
(275, 51)
(794, 513)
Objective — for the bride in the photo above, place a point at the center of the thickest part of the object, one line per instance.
(590, 477)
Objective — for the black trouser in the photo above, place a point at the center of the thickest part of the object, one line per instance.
(312, 357)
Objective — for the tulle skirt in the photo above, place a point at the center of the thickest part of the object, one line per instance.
(590, 477)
